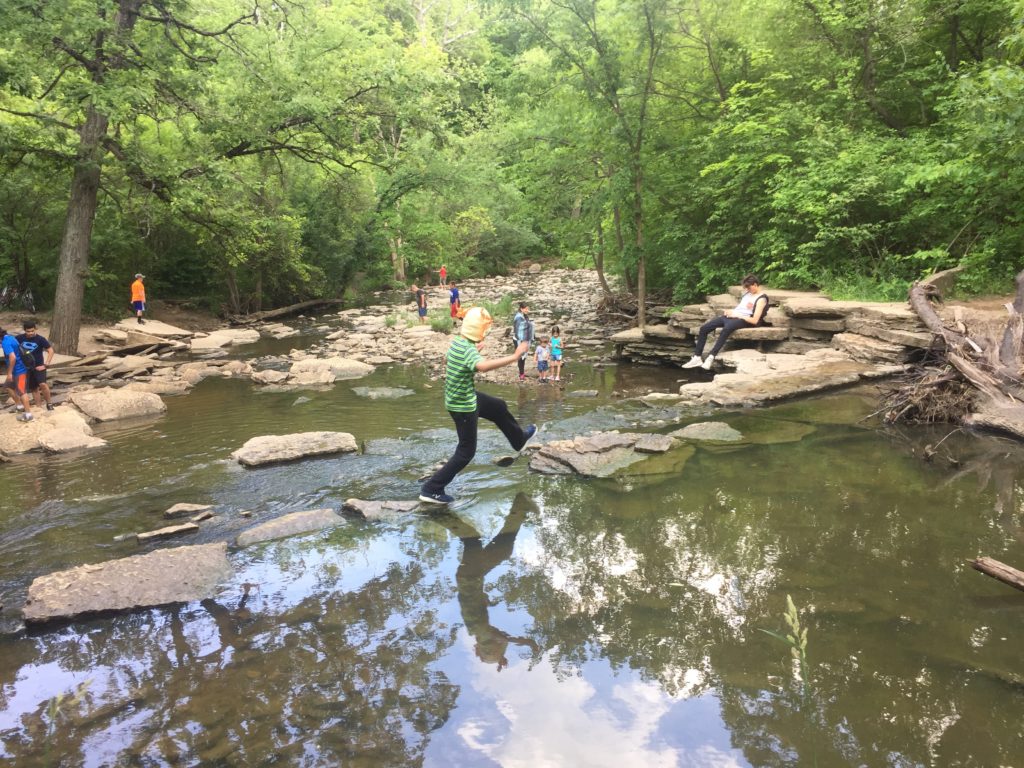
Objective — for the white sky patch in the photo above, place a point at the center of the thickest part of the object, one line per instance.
(538, 721)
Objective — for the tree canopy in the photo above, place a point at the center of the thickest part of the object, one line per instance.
(244, 155)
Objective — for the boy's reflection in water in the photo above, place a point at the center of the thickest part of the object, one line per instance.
(477, 561)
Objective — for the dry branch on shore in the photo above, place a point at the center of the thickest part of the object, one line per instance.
(970, 376)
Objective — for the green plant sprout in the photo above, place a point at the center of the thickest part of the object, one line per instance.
(795, 638)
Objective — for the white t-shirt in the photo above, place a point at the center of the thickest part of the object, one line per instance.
(747, 304)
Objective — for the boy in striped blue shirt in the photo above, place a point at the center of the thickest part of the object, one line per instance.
(467, 406)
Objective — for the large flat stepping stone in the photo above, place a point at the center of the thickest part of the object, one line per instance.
(177, 575)
(289, 525)
(378, 510)
(154, 328)
(272, 449)
(108, 404)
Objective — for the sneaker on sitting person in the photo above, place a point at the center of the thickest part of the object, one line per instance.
(708, 362)
(530, 432)
(436, 498)
(693, 362)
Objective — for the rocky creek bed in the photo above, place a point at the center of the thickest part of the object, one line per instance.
(816, 344)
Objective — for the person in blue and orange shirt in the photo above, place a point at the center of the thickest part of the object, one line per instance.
(139, 297)
(17, 375)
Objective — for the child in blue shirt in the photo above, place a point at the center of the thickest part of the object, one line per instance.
(556, 352)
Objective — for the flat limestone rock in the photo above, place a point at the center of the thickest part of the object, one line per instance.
(271, 449)
(654, 444)
(716, 431)
(269, 376)
(377, 510)
(154, 328)
(177, 575)
(999, 417)
(289, 525)
(62, 440)
(184, 509)
(107, 404)
(21, 437)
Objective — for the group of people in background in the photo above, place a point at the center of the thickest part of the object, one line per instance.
(548, 353)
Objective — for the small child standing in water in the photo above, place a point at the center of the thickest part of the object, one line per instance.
(556, 352)
(542, 355)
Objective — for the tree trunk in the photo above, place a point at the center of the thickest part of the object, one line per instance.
(74, 248)
(599, 260)
(73, 265)
(641, 259)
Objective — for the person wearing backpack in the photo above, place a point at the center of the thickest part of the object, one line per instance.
(17, 374)
(749, 313)
(42, 353)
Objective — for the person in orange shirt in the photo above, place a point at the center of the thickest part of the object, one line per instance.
(139, 297)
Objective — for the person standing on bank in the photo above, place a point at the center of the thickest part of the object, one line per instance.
(43, 351)
(139, 297)
(467, 406)
(454, 300)
(747, 314)
(443, 274)
(17, 375)
(522, 330)
(421, 302)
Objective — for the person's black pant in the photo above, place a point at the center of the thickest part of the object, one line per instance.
(493, 409)
(727, 324)
(521, 363)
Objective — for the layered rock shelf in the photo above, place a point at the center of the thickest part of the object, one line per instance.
(801, 322)
(812, 344)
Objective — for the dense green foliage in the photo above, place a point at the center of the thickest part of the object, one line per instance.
(259, 155)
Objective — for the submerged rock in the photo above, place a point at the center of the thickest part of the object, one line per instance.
(383, 393)
(271, 449)
(177, 575)
(708, 430)
(289, 525)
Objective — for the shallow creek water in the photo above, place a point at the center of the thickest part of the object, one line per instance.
(541, 622)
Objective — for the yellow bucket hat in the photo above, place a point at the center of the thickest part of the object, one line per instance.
(476, 324)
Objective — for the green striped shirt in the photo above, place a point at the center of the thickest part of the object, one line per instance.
(459, 388)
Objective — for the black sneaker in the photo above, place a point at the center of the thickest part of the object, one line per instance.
(49, 406)
(529, 433)
(436, 498)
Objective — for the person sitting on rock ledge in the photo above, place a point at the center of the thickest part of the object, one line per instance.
(749, 313)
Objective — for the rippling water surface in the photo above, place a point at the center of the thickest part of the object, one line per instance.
(543, 621)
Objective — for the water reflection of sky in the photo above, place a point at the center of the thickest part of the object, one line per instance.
(527, 715)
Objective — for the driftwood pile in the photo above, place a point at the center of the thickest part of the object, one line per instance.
(970, 376)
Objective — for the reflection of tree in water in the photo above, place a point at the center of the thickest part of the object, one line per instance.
(476, 562)
(334, 677)
(676, 586)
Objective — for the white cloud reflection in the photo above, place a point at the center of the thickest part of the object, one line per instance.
(536, 719)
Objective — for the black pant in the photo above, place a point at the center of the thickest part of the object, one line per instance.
(493, 409)
(521, 363)
(727, 324)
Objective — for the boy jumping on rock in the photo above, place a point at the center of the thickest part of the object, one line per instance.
(467, 406)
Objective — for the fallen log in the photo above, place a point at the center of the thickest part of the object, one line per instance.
(293, 309)
(999, 571)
